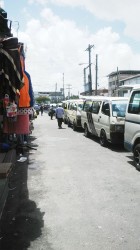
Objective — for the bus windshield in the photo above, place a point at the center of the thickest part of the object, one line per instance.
(119, 108)
(80, 106)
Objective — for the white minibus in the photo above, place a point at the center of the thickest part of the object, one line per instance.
(74, 113)
(65, 107)
(104, 117)
(132, 126)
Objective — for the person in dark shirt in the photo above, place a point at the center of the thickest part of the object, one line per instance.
(52, 112)
(41, 110)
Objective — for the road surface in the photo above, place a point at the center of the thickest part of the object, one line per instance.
(90, 195)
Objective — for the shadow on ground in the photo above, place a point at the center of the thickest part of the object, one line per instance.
(21, 221)
(110, 146)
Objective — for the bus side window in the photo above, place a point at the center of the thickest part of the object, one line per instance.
(87, 106)
(134, 105)
(96, 107)
(106, 108)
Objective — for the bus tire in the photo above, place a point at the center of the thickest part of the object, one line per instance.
(103, 140)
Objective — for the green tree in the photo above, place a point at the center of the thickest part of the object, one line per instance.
(72, 97)
(42, 99)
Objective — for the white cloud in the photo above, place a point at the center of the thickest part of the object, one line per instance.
(57, 2)
(1, 3)
(126, 11)
(42, 2)
(56, 46)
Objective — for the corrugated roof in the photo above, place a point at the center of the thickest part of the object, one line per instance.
(124, 72)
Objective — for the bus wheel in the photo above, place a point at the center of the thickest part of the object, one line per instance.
(103, 141)
(136, 155)
(65, 121)
(74, 126)
(86, 132)
(69, 123)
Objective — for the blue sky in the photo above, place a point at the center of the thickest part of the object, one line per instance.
(57, 32)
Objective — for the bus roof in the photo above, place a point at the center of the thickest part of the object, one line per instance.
(107, 98)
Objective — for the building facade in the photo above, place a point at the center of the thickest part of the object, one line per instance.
(121, 77)
(101, 92)
(55, 97)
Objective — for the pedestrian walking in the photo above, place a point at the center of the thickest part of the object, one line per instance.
(59, 115)
(41, 109)
(51, 112)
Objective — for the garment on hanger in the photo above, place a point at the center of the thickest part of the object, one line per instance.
(11, 74)
(24, 99)
(31, 93)
(25, 111)
(20, 126)
(4, 29)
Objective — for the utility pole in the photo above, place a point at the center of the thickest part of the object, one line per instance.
(55, 90)
(117, 78)
(69, 88)
(63, 88)
(96, 78)
(85, 78)
(90, 76)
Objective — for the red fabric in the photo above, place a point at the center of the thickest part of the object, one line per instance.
(21, 126)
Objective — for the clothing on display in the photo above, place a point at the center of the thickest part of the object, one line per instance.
(4, 29)
(11, 75)
(25, 111)
(20, 126)
(16, 92)
(24, 99)
(31, 93)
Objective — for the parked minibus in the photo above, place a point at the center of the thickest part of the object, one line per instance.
(74, 113)
(104, 117)
(65, 107)
(132, 126)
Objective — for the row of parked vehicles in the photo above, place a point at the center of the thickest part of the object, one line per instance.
(112, 119)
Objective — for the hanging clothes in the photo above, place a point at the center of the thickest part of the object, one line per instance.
(31, 93)
(24, 99)
(20, 126)
(4, 29)
(25, 111)
(11, 75)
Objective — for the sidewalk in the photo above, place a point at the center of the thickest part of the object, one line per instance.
(7, 161)
(21, 220)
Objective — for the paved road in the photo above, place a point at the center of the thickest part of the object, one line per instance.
(90, 195)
